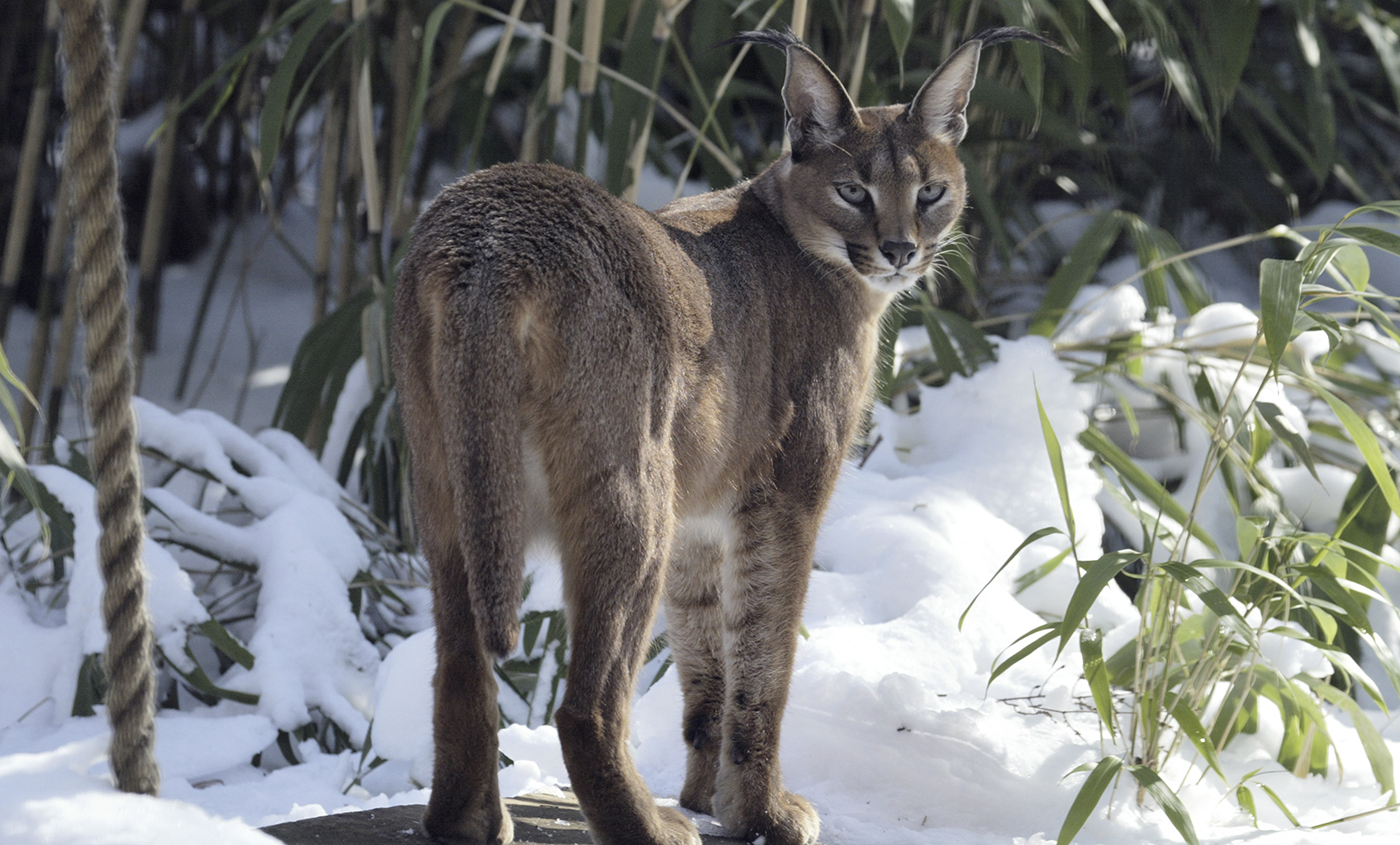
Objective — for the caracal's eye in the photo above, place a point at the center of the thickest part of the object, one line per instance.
(930, 194)
(852, 193)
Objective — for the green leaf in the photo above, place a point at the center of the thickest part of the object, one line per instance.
(279, 88)
(1048, 632)
(1090, 792)
(1097, 442)
(225, 642)
(1351, 262)
(1288, 433)
(1037, 535)
(1024, 582)
(420, 86)
(1091, 649)
(1279, 286)
(1078, 267)
(1371, 236)
(1195, 581)
(899, 17)
(1096, 576)
(1191, 726)
(1366, 442)
(1278, 802)
(1057, 466)
(1245, 799)
(1167, 800)
(1377, 753)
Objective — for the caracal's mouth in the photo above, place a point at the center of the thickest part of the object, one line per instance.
(894, 281)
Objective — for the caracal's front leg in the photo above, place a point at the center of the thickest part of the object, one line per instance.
(764, 586)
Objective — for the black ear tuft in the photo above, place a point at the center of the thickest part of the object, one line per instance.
(941, 105)
(819, 109)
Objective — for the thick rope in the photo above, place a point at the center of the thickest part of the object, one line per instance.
(99, 265)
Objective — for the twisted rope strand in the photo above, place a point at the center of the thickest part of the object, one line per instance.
(100, 268)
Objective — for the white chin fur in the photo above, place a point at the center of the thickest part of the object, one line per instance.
(892, 282)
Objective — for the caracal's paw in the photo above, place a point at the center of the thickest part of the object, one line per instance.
(679, 830)
(701, 799)
(786, 820)
(450, 825)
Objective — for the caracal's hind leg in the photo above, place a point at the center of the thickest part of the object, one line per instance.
(611, 496)
(465, 805)
(695, 632)
(765, 585)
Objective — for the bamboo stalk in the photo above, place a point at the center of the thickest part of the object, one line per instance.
(588, 78)
(554, 88)
(592, 46)
(10, 34)
(867, 14)
(401, 75)
(637, 159)
(350, 200)
(156, 227)
(498, 61)
(328, 186)
(134, 16)
(799, 18)
(555, 97)
(364, 118)
(54, 253)
(205, 298)
(35, 133)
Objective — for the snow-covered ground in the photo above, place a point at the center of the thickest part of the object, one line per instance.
(892, 730)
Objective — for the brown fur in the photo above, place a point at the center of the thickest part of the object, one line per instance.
(668, 396)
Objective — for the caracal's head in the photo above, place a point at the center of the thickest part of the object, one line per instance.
(873, 189)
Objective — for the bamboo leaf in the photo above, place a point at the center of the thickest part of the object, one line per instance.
(1037, 535)
(1279, 287)
(1191, 726)
(1245, 799)
(1078, 267)
(1057, 466)
(1351, 261)
(1372, 236)
(225, 642)
(1096, 576)
(1377, 753)
(1091, 649)
(1167, 800)
(1366, 442)
(1047, 632)
(1211, 595)
(1288, 433)
(1097, 442)
(1090, 792)
(899, 17)
(279, 88)
(1278, 802)
(1024, 582)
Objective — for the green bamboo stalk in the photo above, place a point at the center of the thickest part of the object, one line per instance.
(588, 78)
(35, 133)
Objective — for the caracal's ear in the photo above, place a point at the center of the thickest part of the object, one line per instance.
(941, 105)
(818, 107)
